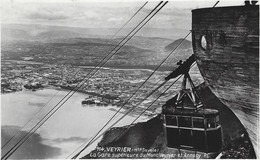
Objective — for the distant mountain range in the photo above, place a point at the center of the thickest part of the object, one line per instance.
(43, 32)
(79, 46)
(40, 32)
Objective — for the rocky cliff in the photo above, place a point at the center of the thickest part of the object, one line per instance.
(146, 139)
(226, 46)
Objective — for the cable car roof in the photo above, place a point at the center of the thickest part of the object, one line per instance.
(192, 112)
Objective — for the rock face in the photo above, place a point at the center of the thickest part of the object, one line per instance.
(146, 140)
(226, 45)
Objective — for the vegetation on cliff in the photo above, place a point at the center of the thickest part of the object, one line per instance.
(149, 135)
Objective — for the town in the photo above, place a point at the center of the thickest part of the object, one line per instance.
(108, 86)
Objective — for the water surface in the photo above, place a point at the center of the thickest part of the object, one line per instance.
(70, 126)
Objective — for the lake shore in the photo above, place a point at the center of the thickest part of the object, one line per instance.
(66, 130)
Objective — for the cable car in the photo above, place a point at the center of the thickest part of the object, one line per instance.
(187, 123)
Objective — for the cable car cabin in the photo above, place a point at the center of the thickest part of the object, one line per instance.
(187, 123)
(194, 130)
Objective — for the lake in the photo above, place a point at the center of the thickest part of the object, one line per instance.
(64, 132)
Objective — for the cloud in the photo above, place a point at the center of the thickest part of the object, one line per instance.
(93, 15)
(170, 12)
(70, 139)
(47, 15)
(19, 12)
(113, 19)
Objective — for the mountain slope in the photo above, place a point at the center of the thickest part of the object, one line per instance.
(186, 44)
(78, 46)
(149, 135)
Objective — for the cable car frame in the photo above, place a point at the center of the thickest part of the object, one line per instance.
(187, 123)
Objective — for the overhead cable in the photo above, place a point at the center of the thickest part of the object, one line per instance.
(74, 75)
(73, 93)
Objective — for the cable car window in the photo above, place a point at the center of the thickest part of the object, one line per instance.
(171, 120)
(184, 121)
(217, 119)
(198, 122)
(211, 122)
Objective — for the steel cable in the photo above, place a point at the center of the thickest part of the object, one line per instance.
(94, 139)
(150, 106)
(155, 100)
(138, 87)
(74, 75)
(80, 86)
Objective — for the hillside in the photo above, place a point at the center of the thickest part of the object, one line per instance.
(47, 32)
(186, 44)
(79, 46)
(38, 32)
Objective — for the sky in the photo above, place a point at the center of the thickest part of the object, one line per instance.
(101, 14)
